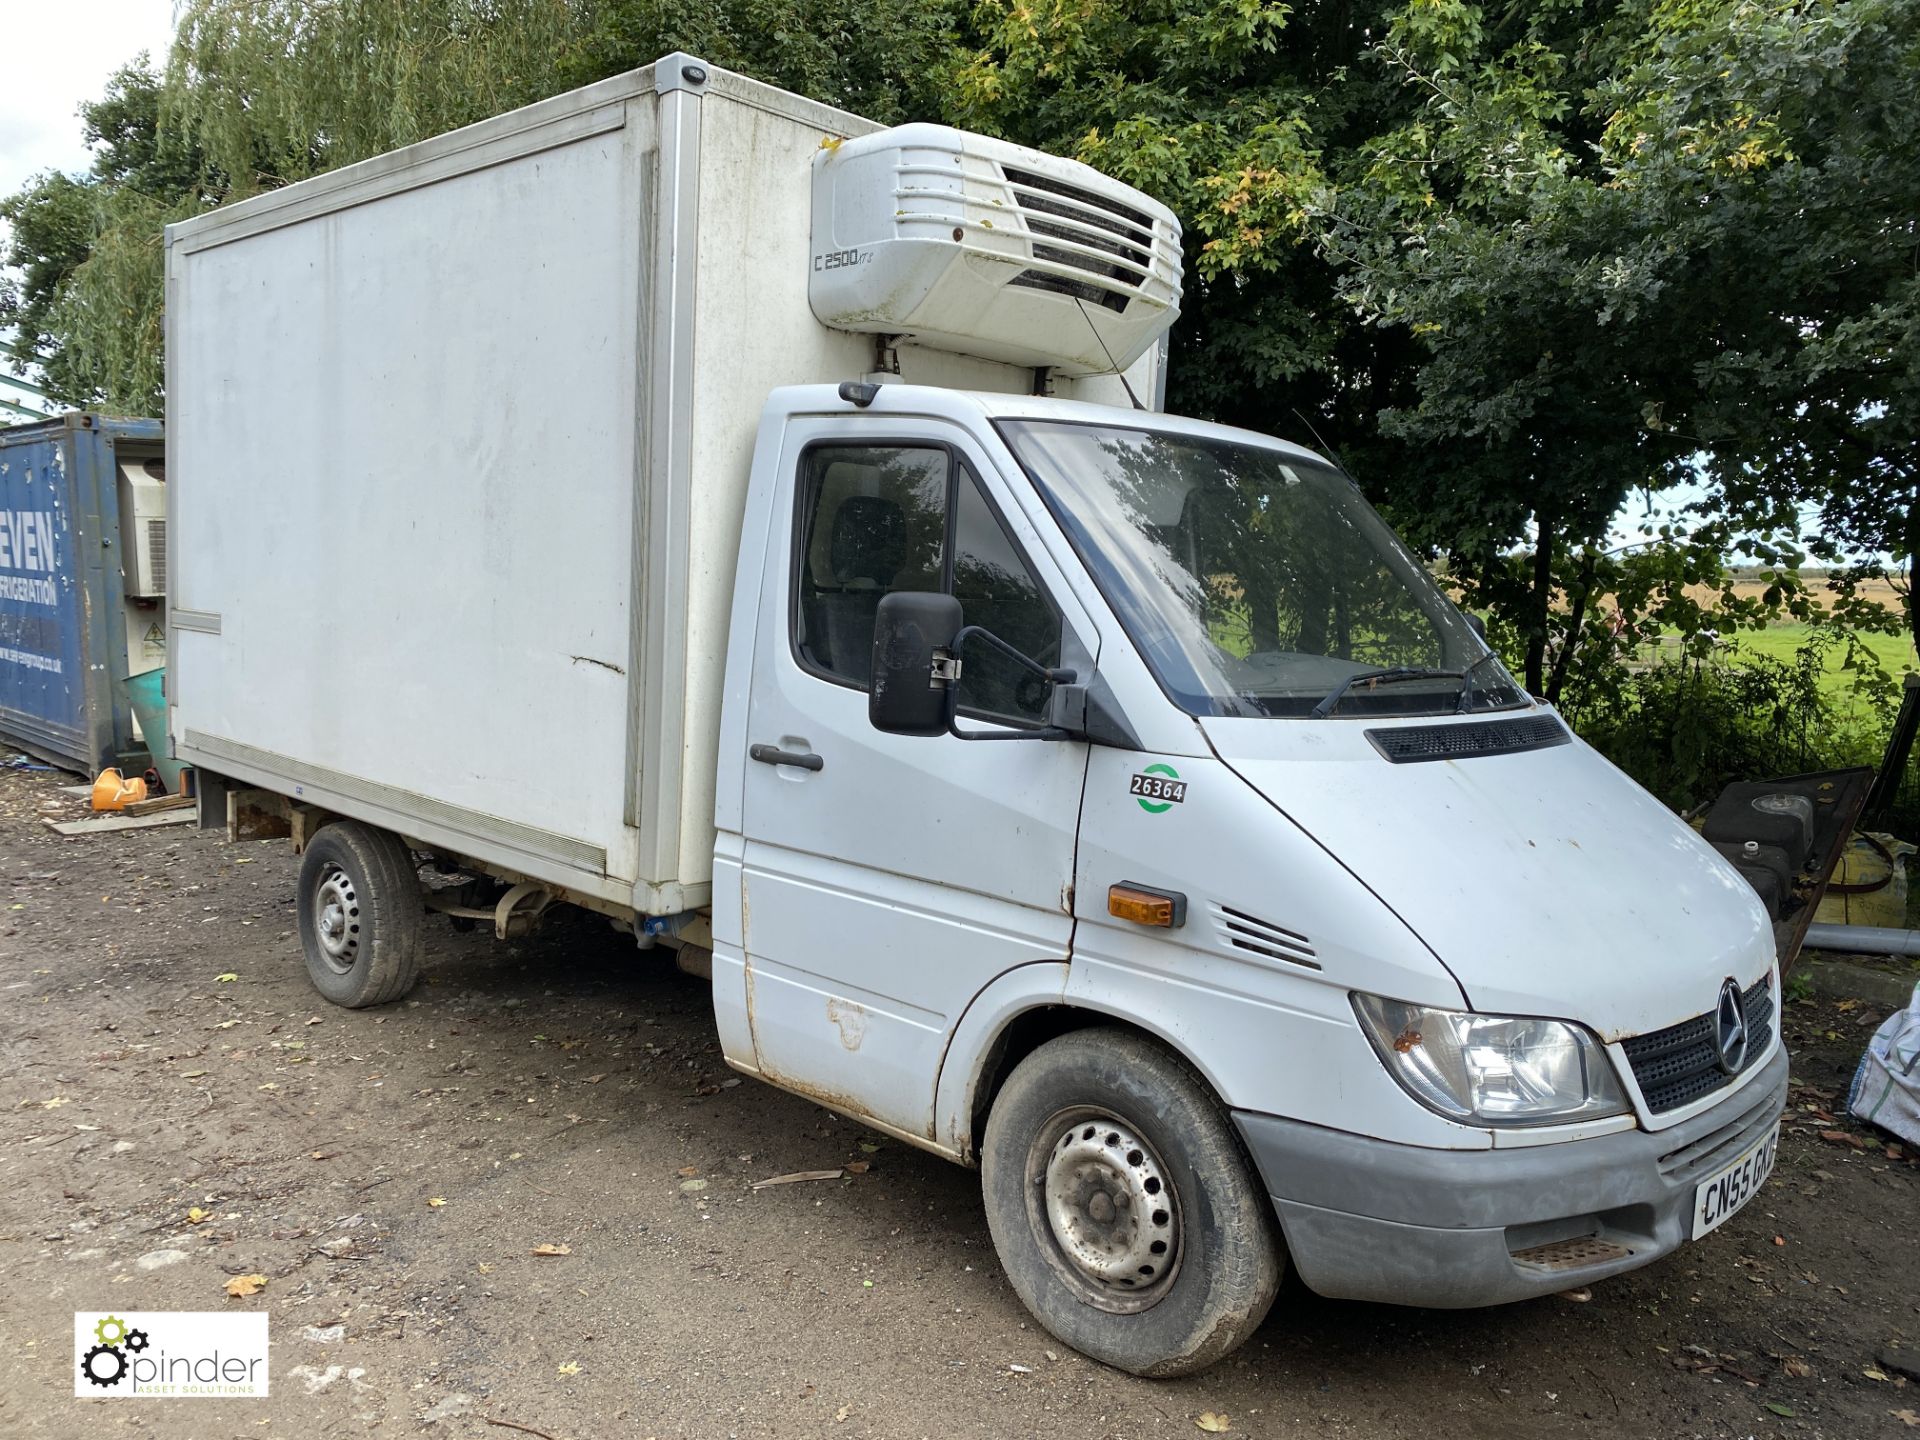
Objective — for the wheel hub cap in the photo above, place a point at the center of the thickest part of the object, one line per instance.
(336, 918)
(1111, 1211)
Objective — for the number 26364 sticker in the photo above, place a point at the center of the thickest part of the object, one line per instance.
(1157, 788)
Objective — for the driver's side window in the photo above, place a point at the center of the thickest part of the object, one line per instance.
(874, 519)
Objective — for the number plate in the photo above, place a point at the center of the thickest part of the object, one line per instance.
(1717, 1197)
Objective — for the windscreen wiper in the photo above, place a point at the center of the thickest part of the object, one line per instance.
(1466, 683)
(1377, 677)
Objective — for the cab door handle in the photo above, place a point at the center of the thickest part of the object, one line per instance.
(774, 755)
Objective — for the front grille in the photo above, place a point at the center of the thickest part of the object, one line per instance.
(1680, 1064)
(1089, 227)
(1718, 1145)
(1461, 741)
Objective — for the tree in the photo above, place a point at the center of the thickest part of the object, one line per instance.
(82, 247)
(1639, 243)
(884, 59)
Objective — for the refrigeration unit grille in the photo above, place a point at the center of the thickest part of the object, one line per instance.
(157, 554)
(1090, 227)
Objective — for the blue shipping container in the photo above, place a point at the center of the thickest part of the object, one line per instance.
(63, 597)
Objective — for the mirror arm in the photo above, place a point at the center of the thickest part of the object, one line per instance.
(1034, 667)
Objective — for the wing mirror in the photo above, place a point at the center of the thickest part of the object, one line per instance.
(913, 638)
(918, 641)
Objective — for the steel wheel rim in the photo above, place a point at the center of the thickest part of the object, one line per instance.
(1104, 1205)
(336, 919)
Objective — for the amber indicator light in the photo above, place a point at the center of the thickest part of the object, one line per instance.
(1144, 906)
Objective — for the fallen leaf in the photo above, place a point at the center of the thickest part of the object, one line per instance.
(690, 1186)
(1021, 1369)
(1841, 1137)
(241, 1286)
(269, 1086)
(858, 1167)
(1212, 1423)
(197, 1216)
(594, 1079)
(436, 1202)
(572, 1367)
(1873, 1374)
(226, 979)
(796, 1178)
(325, 1154)
(840, 1415)
(55, 1103)
(1796, 1367)
(869, 1147)
(1785, 1410)
(549, 1249)
(191, 1074)
(1907, 1418)
(687, 1171)
(226, 1024)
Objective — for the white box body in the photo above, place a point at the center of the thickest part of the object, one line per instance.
(459, 446)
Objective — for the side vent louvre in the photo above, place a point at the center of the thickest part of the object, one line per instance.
(1463, 741)
(1241, 931)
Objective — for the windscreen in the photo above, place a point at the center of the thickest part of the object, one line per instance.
(1255, 581)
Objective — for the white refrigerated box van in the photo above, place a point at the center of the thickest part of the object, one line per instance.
(686, 501)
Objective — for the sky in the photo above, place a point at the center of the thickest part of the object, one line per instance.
(55, 54)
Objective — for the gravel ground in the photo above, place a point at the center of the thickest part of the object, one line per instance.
(391, 1172)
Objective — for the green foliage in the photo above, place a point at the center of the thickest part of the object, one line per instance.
(272, 91)
(53, 227)
(884, 59)
(86, 251)
(1685, 728)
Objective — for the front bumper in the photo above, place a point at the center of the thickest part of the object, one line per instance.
(1454, 1229)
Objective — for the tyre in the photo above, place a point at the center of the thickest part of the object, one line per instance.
(360, 913)
(1123, 1207)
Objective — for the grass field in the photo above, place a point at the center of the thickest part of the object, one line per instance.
(1784, 643)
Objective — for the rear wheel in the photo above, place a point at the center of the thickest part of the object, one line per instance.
(1123, 1207)
(360, 915)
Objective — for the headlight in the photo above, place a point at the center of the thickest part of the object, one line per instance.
(1492, 1069)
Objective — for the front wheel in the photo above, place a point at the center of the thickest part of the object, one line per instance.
(1123, 1207)
(360, 914)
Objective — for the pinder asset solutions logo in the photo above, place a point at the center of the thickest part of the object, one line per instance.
(169, 1354)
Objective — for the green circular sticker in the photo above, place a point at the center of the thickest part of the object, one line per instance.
(1158, 788)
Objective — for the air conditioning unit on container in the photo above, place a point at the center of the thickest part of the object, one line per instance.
(966, 243)
(143, 528)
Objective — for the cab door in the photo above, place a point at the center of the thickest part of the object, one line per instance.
(888, 879)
